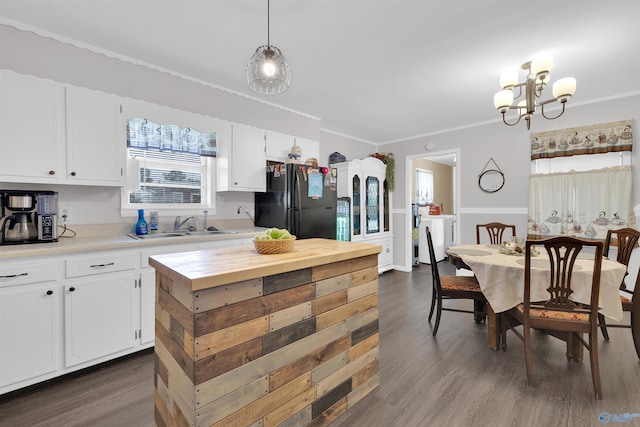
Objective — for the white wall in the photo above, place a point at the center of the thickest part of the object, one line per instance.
(509, 147)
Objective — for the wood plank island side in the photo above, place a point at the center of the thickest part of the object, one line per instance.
(248, 339)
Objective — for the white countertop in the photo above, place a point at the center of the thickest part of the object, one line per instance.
(116, 241)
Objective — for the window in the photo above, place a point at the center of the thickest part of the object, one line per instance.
(424, 187)
(167, 167)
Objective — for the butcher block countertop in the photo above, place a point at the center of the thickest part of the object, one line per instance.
(217, 267)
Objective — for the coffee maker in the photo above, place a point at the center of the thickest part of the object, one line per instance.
(28, 217)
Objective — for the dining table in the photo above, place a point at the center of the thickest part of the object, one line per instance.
(501, 274)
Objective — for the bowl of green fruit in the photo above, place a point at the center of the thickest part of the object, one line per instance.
(274, 241)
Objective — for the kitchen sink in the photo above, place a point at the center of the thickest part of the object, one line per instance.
(162, 235)
(167, 234)
(208, 232)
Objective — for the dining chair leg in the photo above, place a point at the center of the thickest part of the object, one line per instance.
(433, 301)
(438, 314)
(635, 332)
(603, 327)
(569, 341)
(595, 364)
(528, 357)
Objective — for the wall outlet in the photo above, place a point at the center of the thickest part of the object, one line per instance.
(64, 214)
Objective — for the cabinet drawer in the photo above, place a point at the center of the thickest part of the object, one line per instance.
(165, 249)
(21, 273)
(100, 264)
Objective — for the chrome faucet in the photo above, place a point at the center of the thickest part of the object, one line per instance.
(177, 224)
(242, 208)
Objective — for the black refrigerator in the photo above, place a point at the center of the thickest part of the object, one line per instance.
(300, 198)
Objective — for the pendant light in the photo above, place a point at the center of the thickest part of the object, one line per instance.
(268, 71)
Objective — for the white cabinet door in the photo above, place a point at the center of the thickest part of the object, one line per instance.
(310, 149)
(30, 331)
(96, 138)
(147, 305)
(241, 161)
(31, 129)
(99, 316)
(248, 159)
(278, 146)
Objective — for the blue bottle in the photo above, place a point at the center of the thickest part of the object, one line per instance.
(141, 225)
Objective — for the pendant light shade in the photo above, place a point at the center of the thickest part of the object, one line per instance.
(268, 71)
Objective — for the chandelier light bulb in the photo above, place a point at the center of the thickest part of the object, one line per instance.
(269, 68)
(541, 64)
(564, 89)
(502, 100)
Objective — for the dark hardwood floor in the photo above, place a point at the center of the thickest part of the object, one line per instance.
(451, 380)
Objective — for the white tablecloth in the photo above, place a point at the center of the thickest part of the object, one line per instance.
(501, 278)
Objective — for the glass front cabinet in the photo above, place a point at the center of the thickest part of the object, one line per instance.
(363, 181)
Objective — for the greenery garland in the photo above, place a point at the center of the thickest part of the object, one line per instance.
(390, 162)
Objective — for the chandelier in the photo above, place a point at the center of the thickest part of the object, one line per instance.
(537, 78)
(268, 71)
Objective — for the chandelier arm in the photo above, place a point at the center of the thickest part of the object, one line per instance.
(519, 86)
(552, 118)
(504, 119)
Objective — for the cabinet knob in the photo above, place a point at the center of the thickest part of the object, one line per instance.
(52, 172)
(73, 174)
(235, 183)
(388, 249)
(49, 292)
(71, 289)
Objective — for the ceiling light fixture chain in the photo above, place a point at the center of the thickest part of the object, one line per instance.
(538, 71)
(268, 71)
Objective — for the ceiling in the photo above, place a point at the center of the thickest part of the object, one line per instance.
(376, 70)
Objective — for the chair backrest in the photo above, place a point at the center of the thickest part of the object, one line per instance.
(563, 252)
(434, 262)
(626, 241)
(495, 230)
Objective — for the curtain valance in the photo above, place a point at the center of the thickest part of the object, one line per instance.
(145, 134)
(594, 139)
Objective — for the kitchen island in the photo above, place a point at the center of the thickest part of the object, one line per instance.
(249, 339)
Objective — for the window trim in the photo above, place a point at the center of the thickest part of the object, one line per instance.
(429, 172)
(128, 210)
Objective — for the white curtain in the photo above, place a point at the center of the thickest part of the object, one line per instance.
(582, 204)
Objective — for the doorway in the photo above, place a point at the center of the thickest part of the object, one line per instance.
(445, 157)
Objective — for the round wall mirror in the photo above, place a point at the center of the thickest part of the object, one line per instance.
(491, 180)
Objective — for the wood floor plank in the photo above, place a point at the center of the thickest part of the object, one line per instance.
(451, 380)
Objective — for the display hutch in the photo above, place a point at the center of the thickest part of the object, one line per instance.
(364, 182)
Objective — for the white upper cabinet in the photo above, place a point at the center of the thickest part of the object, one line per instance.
(241, 159)
(310, 149)
(31, 129)
(279, 146)
(47, 137)
(96, 138)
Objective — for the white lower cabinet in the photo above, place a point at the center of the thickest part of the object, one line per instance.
(385, 257)
(62, 313)
(99, 316)
(29, 332)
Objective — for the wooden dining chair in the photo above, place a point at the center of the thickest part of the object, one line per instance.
(626, 240)
(452, 287)
(495, 230)
(558, 315)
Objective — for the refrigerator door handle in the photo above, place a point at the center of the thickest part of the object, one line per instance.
(296, 213)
